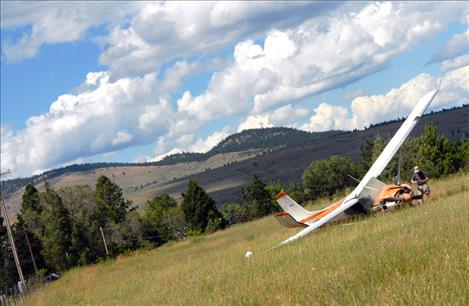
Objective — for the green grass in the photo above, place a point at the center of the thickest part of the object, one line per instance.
(417, 256)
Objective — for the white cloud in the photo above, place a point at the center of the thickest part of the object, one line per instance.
(122, 137)
(288, 115)
(55, 22)
(396, 103)
(104, 117)
(163, 31)
(204, 145)
(293, 64)
(455, 53)
(457, 46)
(455, 63)
(255, 122)
(328, 117)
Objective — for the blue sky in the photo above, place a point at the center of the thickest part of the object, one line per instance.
(126, 81)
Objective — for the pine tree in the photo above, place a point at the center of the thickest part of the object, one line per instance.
(10, 273)
(155, 214)
(200, 209)
(258, 199)
(19, 232)
(31, 210)
(437, 155)
(110, 202)
(57, 240)
(31, 200)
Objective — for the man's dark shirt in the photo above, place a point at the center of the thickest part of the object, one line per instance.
(419, 177)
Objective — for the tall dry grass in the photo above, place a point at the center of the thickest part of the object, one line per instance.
(417, 256)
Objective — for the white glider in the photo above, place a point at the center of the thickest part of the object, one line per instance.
(369, 196)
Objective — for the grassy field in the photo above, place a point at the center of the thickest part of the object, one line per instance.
(417, 256)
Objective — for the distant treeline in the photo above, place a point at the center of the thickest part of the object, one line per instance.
(403, 118)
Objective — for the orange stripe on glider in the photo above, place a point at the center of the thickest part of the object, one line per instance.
(323, 213)
(280, 195)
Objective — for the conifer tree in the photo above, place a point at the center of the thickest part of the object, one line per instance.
(110, 202)
(258, 199)
(31, 200)
(19, 232)
(57, 240)
(10, 273)
(155, 215)
(200, 209)
(437, 155)
(31, 210)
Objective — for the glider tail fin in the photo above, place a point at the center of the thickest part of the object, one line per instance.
(295, 210)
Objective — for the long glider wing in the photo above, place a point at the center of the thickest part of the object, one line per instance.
(393, 146)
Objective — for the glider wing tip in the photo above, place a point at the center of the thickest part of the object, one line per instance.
(280, 195)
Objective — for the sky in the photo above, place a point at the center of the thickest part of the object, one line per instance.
(134, 81)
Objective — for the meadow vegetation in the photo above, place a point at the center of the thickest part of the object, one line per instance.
(416, 255)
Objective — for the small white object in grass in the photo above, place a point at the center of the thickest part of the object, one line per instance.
(248, 254)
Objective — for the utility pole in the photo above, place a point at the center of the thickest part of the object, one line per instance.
(30, 249)
(104, 240)
(10, 237)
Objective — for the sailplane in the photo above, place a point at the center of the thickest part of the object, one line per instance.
(370, 195)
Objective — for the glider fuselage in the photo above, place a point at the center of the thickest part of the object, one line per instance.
(373, 200)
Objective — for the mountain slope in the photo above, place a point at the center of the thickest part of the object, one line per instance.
(254, 140)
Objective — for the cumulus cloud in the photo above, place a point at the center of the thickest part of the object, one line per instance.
(162, 31)
(55, 22)
(458, 45)
(121, 137)
(455, 53)
(396, 103)
(292, 64)
(255, 122)
(455, 63)
(108, 116)
(204, 145)
(288, 115)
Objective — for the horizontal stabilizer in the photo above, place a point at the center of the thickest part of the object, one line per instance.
(286, 220)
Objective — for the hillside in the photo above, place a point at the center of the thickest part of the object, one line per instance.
(287, 165)
(134, 180)
(412, 256)
(274, 154)
(249, 141)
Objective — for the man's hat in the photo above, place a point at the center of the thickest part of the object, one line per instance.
(416, 168)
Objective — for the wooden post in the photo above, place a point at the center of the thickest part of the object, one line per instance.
(104, 240)
(30, 249)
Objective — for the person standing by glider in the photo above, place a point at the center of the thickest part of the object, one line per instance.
(421, 178)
